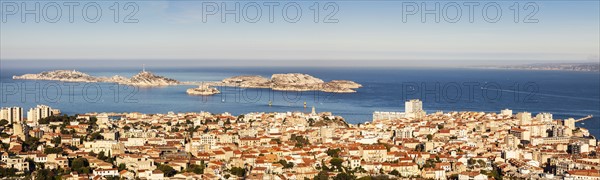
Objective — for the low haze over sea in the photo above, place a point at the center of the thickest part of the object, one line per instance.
(564, 94)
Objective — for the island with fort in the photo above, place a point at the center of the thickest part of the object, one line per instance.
(144, 78)
(278, 82)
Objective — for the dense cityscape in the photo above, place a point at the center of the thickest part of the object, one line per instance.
(294, 145)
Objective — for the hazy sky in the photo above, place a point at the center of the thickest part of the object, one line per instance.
(365, 30)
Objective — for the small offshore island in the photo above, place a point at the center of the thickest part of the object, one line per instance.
(203, 90)
(278, 82)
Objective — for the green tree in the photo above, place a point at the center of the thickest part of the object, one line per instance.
(481, 162)
(168, 170)
(31, 143)
(395, 173)
(101, 155)
(344, 176)
(333, 152)
(337, 163)
(53, 150)
(471, 162)
(45, 174)
(8, 172)
(73, 148)
(95, 136)
(56, 140)
(3, 122)
(197, 169)
(286, 164)
(93, 120)
(81, 165)
(4, 146)
(53, 127)
(4, 135)
(240, 172)
(301, 141)
(122, 167)
(323, 175)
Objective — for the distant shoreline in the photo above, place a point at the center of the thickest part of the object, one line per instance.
(525, 69)
(572, 67)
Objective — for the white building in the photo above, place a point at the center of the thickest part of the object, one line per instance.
(506, 112)
(18, 163)
(378, 115)
(114, 172)
(107, 146)
(38, 112)
(20, 130)
(524, 118)
(414, 109)
(136, 162)
(569, 123)
(544, 117)
(405, 132)
(12, 114)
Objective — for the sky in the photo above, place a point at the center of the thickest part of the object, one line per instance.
(350, 31)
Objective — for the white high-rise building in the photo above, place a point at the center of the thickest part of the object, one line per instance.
(4, 114)
(413, 105)
(414, 109)
(39, 112)
(506, 112)
(524, 118)
(12, 114)
(569, 123)
(544, 117)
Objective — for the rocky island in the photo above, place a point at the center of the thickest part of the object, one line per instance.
(279, 82)
(144, 78)
(203, 90)
(291, 82)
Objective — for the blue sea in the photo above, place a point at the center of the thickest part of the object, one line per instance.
(564, 94)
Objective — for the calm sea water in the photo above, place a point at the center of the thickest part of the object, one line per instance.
(564, 94)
